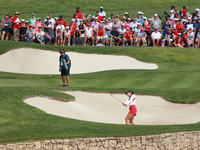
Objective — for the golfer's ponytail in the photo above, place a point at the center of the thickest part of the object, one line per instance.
(133, 92)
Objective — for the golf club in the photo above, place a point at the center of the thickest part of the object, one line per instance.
(116, 98)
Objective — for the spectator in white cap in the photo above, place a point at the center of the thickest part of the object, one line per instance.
(172, 14)
(137, 30)
(128, 23)
(126, 15)
(121, 31)
(102, 13)
(190, 38)
(156, 37)
(133, 25)
(156, 22)
(95, 24)
(32, 20)
(67, 35)
(197, 10)
(190, 24)
(138, 17)
(141, 18)
(51, 20)
(76, 19)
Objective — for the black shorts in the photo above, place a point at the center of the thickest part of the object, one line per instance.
(65, 72)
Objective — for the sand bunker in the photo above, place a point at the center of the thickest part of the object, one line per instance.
(35, 61)
(100, 107)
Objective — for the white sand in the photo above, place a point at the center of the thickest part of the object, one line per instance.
(35, 61)
(100, 107)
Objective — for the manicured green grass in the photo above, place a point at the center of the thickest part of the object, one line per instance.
(41, 8)
(177, 80)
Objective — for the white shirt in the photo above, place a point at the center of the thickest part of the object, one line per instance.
(78, 23)
(133, 25)
(131, 100)
(67, 32)
(122, 30)
(52, 22)
(88, 31)
(156, 35)
(103, 13)
(40, 34)
(60, 26)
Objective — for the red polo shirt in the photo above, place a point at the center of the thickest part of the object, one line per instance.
(16, 25)
(72, 28)
(179, 40)
(184, 11)
(100, 18)
(179, 27)
(79, 14)
(63, 22)
(127, 36)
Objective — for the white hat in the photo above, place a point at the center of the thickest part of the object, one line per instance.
(49, 26)
(123, 24)
(138, 23)
(126, 13)
(155, 14)
(145, 18)
(109, 18)
(179, 33)
(101, 7)
(189, 18)
(197, 9)
(149, 19)
(67, 27)
(171, 11)
(23, 20)
(56, 18)
(138, 12)
(129, 19)
(141, 13)
(72, 20)
(89, 15)
(95, 17)
(176, 19)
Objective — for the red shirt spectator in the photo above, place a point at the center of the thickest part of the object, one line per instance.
(180, 26)
(179, 40)
(63, 22)
(126, 35)
(78, 12)
(88, 23)
(16, 18)
(100, 18)
(72, 28)
(184, 11)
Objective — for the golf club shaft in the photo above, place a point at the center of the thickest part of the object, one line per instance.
(116, 98)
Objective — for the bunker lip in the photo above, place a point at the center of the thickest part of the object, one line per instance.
(36, 61)
(102, 108)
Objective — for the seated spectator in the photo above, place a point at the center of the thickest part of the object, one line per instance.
(110, 23)
(61, 19)
(59, 36)
(133, 25)
(49, 36)
(100, 35)
(156, 37)
(128, 37)
(121, 31)
(81, 27)
(112, 17)
(72, 28)
(141, 38)
(107, 36)
(198, 39)
(6, 25)
(23, 31)
(100, 18)
(78, 12)
(95, 24)
(33, 19)
(166, 25)
(190, 39)
(40, 36)
(31, 34)
(137, 30)
(128, 23)
(179, 42)
(102, 13)
(116, 24)
(89, 38)
(190, 24)
(77, 41)
(114, 36)
(168, 38)
(156, 23)
(46, 24)
(36, 25)
(180, 27)
(67, 36)
(107, 25)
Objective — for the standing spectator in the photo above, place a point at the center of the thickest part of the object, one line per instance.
(180, 26)
(197, 24)
(112, 17)
(95, 24)
(33, 19)
(6, 25)
(141, 18)
(51, 20)
(61, 26)
(126, 15)
(46, 24)
(184, 11)
(49, 36)
(128, 37)
(138, 17)
(67, 36)
(36, 25)
(179, 42)
(156, 37)
(61, 19)
(190, 39)
(190, 24)
(78, 12)
(40, 36)
(100, 34)
(16, 26)
(114, 36)
(23, 31)
(89, 35)
(31, 34)
(172, 14)
(156, 23)
(81, 27)
(77, 41)
(141, 38)
(102, 13)
(76, 19)
(100, 18)
(72, 28)
(11, 27)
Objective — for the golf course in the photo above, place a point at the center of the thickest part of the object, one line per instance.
(174, 77)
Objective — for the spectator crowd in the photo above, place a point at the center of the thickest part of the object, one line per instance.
(179, 28)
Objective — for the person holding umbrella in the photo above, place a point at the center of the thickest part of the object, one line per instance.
(131, 101)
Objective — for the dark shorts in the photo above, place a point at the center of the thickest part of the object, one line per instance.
(65, 72)
(6, 29)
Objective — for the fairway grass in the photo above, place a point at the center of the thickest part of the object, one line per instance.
(177, 80)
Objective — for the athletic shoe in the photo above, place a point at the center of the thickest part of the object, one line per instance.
(67, 85)
(64, 85)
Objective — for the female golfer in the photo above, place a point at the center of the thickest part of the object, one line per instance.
(131, 101)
